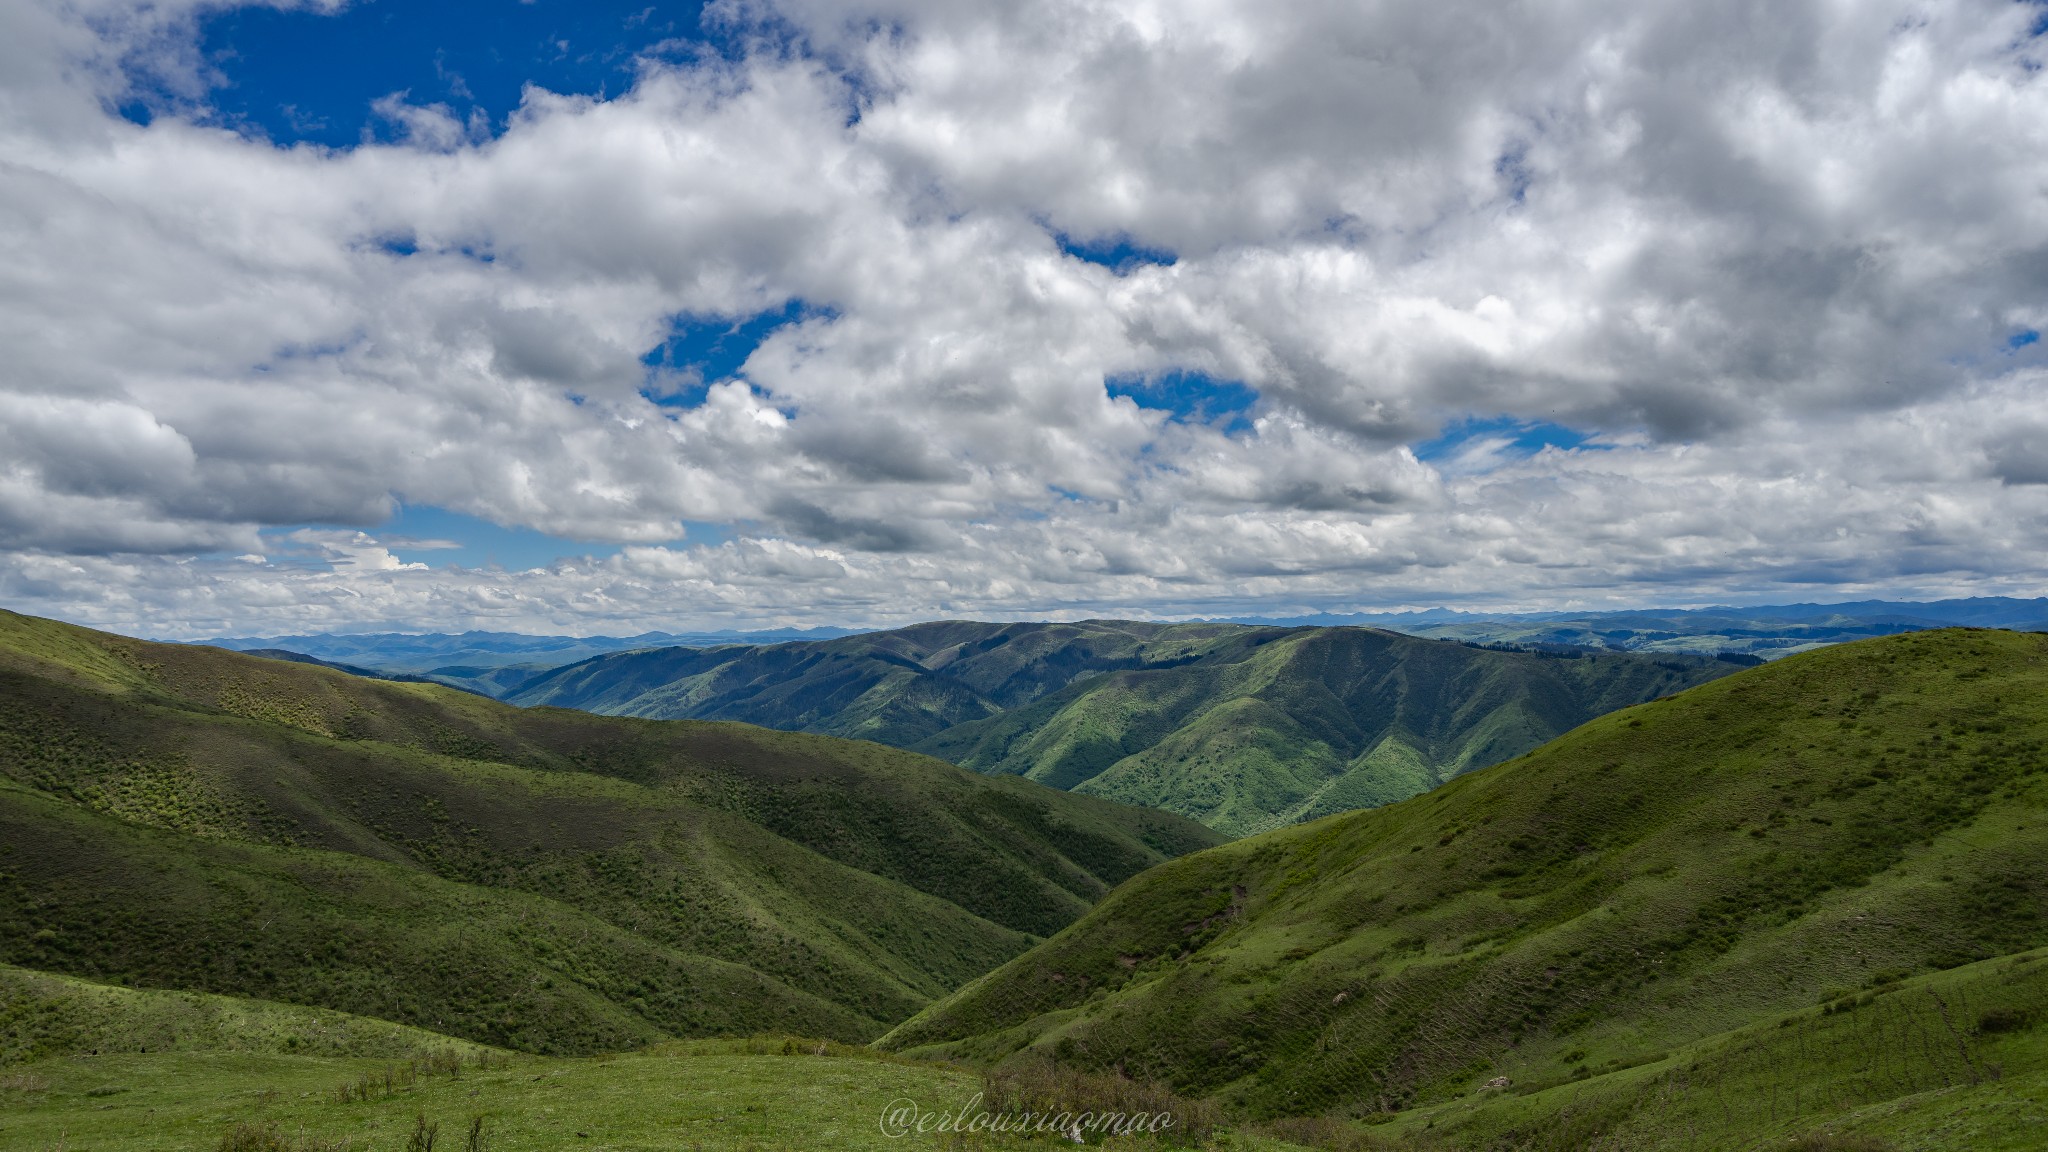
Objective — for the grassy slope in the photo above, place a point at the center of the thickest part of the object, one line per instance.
(113, 1069)
(553, 880)
(1950, 1060)
(1242, 728)
(1661, 875)
(43, 1016)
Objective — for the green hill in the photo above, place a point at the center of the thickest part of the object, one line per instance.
(1242, 728)
(185, 817)
(44, 1016)
(1811, 832)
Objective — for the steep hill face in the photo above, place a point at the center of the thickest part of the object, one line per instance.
(1753, 847)
(1242, 728)
(187, 817)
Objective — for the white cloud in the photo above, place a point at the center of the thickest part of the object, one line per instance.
(1775, 256)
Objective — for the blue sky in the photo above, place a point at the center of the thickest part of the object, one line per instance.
(419, 534)
(1517, 437)
(298, 74)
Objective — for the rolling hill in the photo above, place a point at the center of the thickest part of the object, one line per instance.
(1239, 727)
(1789, 899)
(184, 817)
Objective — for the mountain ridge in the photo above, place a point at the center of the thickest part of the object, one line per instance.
(1239, 727)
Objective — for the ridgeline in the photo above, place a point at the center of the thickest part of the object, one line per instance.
(1242, 728)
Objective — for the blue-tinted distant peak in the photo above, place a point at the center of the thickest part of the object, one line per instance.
(304, 75)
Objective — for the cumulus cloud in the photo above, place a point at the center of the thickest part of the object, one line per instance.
(1776, 261)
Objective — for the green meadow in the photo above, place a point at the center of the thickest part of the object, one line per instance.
(96, 1067)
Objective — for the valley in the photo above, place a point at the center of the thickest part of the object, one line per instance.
(1795, 905)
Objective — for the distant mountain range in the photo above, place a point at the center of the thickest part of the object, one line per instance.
(492, 663)
(1343, 711)
(1240, 727)
(1769, 631)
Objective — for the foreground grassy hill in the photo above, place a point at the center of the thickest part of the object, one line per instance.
(1811, 832)
(191, 818)
(88, 1066)
(1242, 728)
(1950, 1060)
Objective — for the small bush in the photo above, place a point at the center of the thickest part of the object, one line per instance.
(397, 1078)
(2003, 1020)
(423, 1135)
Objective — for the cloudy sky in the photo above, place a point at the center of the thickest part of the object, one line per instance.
(596, 317)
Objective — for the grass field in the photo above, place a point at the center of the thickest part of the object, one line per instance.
(94, 1068)
(707, 1094)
